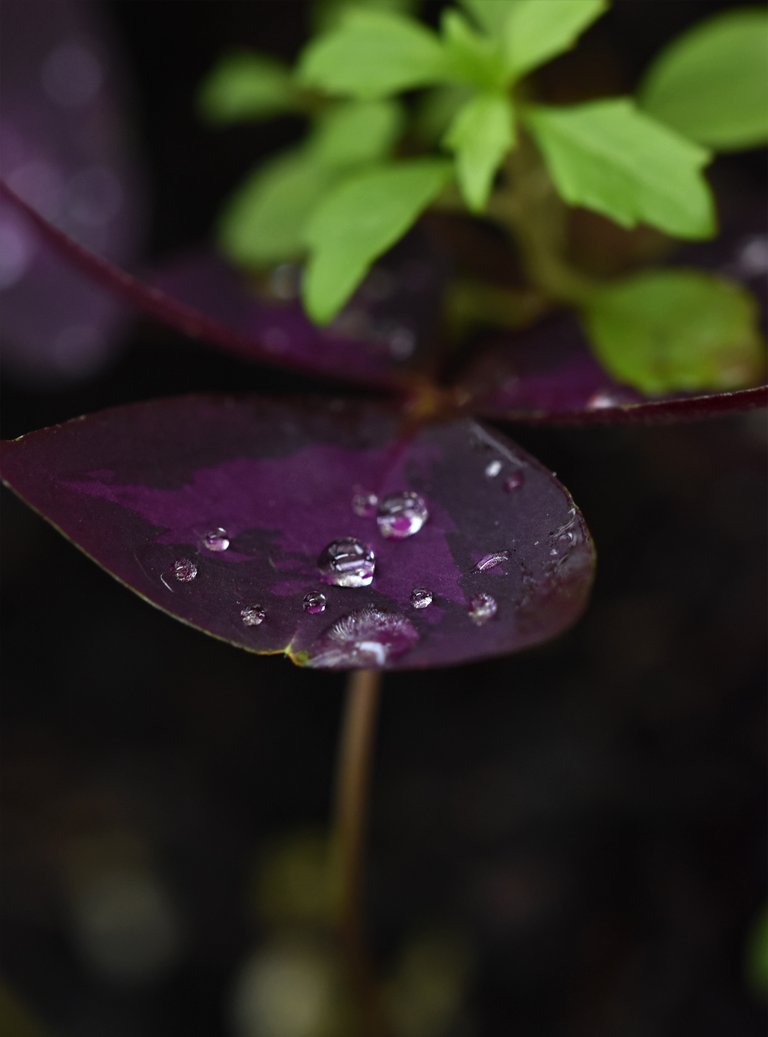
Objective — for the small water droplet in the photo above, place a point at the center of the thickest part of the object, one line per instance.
(285, 281)
(367, 637)
(184, 570)
(253, 615)
(482, 607)
(421, 598)
(216, 539)
(315, 602)
(493, 468)
(753, 256)
(490, 561)
(603, 400)
(402, 514)
(347, 562)
(364, 504)
(514, 480)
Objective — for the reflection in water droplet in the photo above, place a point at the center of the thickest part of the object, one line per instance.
(493, 468)
(421, 598)
(490, 561)
(253, 615)
(514, 480)
(364, 504)
(285, 281)
(315, 602)
(184, 570)
(347, 562)
(402, 514)
(216, 539)
(367, 637)
(482, 607)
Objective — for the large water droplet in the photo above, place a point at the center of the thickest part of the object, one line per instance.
(482, 607)
(490, 561)
(315, 602)
(364, 504)
(216, 539)
(493, 468)
(514, 480)
(402, 514)
(184, 570)
(421, 598)
(365, 638)
(347, 562)
(253, 615)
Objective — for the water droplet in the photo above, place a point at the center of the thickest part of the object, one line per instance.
(603, 400)
(367, 637)
(402, 514)
(421, 598)
(753, 256)
(514, 481)
(493, 468)
(490, 561)
(285, 281)
(364, 504)
(253, 615)
(315, 602)
(184, 570)
(347, 562)
(216, 539)
(482, 607)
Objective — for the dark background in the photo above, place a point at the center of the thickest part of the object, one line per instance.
(585, 820)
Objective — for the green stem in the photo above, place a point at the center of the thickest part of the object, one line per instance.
(355, 756)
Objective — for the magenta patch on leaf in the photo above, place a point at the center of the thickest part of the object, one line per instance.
(139, 489)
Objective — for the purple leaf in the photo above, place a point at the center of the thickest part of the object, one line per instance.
(243, 517)
(64, 148)
(204, 298)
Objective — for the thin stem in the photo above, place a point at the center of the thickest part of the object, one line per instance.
(355, 756)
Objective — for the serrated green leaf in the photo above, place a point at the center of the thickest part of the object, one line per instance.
(263, 222)
(476, 60)
(712, 83)
(677, 330)
(357, 221)
(245, 85)
(535, 31)
(481, 134)
(355, 132)
(373, 54)
(610, 157)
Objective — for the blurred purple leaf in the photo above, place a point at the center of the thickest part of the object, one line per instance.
(218, 509)
(64, 148)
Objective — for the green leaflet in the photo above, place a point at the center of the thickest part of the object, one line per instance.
(244, 85)
(712, 83)
(536, 31)
(374, 54)
(356, 132)
(610, 157)
(475, 59)
(481, 133)
(677, 330)
(357, 221)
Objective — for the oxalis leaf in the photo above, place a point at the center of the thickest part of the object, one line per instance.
(218, 510)
(610, 157)
(358, 221)
(669, 330)
(711, 84)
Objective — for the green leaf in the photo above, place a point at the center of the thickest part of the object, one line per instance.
(677, 330)
(359, 220)
(435, 111)
(356, 132)
(491, 15)
(476, 60)
(326, 14)
(712, 83)
(245, 85)
(535, 31)
(481, 134)
(263, 222)
(373, 54)
(610, 157)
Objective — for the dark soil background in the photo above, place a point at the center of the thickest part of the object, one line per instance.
(587, 820)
